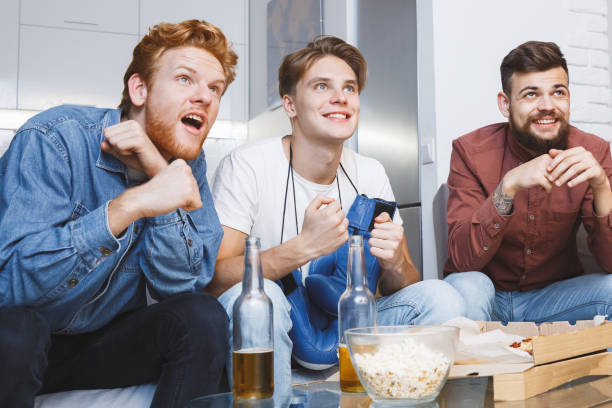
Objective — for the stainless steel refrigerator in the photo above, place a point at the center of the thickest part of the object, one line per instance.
(386, 34)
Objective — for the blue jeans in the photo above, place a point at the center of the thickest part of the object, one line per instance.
(282, 326)
(180, 342)
(579, 298)
(426, 302)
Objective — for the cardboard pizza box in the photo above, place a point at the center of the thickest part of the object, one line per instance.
(541, 378)
(560, 354)
(559, 340)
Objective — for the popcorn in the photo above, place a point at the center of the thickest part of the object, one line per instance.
(403, 370)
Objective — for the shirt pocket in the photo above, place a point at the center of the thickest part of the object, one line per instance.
(561, 230)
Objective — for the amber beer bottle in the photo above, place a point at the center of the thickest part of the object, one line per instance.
(356, 308)
(253, 355)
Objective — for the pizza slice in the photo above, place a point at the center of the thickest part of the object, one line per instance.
(525, 345)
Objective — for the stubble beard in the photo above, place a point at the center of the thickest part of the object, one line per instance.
(535, 143)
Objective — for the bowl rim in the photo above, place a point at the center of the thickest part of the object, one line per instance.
(394, 330)
(369, 335)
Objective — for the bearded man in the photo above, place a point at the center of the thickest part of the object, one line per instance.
(97, 206)
(518, 192)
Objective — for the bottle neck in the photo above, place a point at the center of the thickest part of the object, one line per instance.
(356, 276)
(252, 280)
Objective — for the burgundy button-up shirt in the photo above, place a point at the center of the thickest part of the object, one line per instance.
(535, 245)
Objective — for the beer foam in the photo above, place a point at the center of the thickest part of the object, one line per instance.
(254, 350)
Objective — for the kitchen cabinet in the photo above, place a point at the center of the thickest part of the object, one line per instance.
(59, 66)
(115, 16)
(9, 31)
(229, 15)
(76, 51)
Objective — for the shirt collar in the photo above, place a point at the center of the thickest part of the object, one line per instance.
(106, 161)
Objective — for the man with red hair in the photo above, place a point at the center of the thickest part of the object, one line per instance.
(99, 206)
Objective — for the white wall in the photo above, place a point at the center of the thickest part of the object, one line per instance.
(610, 40)
(9, 27)
(461, 45)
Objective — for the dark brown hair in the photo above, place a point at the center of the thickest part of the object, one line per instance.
(165, 36)
(298, 62)
(531, 56)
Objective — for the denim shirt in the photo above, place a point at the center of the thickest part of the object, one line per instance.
(57, 253)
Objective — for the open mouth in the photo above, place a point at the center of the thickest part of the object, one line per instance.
(193, 120)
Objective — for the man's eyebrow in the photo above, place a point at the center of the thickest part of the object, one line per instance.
(219, 82)
(194, 71)
(186, 67)
(317, 79)
(327, 79)
(535, 88)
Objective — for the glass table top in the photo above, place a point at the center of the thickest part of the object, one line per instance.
(471, 392)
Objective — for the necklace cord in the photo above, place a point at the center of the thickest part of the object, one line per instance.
(285, 201)
(289, 282)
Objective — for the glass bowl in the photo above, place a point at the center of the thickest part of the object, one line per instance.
(402, 365)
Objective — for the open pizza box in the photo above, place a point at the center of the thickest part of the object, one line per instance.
(561, 353)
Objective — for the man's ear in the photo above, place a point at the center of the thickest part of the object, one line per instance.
(289, 106)
(138, 90)
(503, 103)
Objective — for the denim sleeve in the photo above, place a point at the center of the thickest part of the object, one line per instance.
(46, 239)
(180, 248)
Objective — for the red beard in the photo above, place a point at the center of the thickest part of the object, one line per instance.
(163, 135)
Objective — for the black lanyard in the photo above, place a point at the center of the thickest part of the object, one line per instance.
(288, 281)
(290, 175)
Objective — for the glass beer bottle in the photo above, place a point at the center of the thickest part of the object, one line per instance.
(356, 308)
(253, 355)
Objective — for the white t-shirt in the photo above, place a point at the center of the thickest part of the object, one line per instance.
(250, 183)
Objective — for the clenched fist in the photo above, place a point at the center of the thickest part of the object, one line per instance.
(172, 188)
(325, 228)
(386, 242)
(128, 142)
